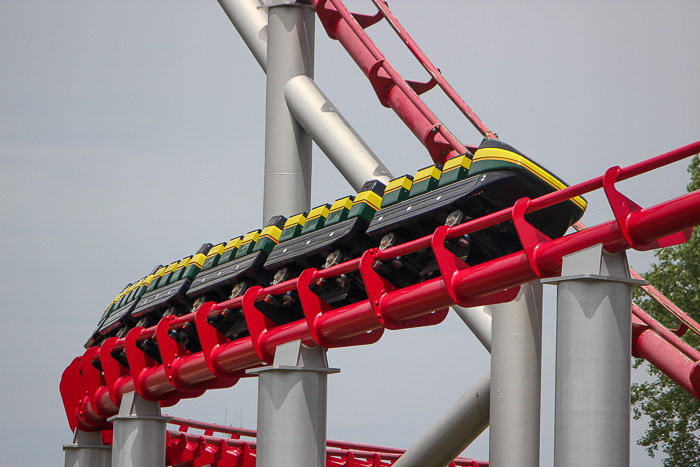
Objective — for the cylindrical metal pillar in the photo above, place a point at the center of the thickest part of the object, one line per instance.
(479, 322)
(333, 134)
(87, 450)
(454, 431)
(139, 433)
(251, 23)
(594, 332)
(292, 407)
(290, 52)
(516, 367)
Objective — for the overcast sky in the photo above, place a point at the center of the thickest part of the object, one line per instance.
(132, 132)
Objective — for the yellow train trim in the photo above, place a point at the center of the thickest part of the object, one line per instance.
(272, 232)
(299, 219)
(251, 237)
(198, 260)
(216, 250)
(233, 243)
(397, 183)
(183, 263)
(342, 203)
(456, 162)
(502, 155)
(370, 198)
(318, 212)
(422, 174)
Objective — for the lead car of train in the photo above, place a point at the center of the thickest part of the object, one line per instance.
(466, 188)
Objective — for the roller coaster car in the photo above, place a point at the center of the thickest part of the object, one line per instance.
(467, 187)
(495, 179)
(329, 241)
(115, 314)
(239, 268)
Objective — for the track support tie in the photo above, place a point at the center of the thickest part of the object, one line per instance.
(115, 373)
(94, 380)
(212, 342)
(623, 208)
(173, 355)
(450, 265)
(377, 287)
(73, 384)
(314, 307)
(141, 364)
(530, 237)
(258, 324)
(174, 449)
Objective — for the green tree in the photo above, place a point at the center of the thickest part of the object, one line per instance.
(674, 426)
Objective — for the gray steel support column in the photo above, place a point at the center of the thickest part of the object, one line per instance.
(292, 407)
(251, 23)
(594, 332)
(479, 321)
(139, 433)
(333, 134)
(87, 450)
(454, 431)
(310, 107)
(290, 53)
(516, 367)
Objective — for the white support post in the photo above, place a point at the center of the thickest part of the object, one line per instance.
(333, 134)
(292, 407)
(594, 340)
(139, 433)
(454, 431)
(310, 107)
(87, 450)
(251, 23)
(516, 367)
(479, 322)
(290, 53)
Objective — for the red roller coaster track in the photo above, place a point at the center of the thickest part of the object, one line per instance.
(184, 447)
(90, 396)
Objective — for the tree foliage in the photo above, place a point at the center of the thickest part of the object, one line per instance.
(674, 426)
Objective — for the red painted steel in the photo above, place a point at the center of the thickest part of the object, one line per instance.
(391, 89)
(398, 307)
(686, 322)
(433, 71)
(666, 351)
(186, 448)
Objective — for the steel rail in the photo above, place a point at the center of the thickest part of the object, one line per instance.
(686, 321)
(342, 25)
(335, 447)
(670, 336)
(663, 349)
(339, 454)
(433, 71)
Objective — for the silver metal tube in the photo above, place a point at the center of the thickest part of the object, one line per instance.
(516, 367)
(333, 134)
(292, 396)
(312, 109)
(251, 23)
(87, 450)
(290, 52)
(454, 431)
(139, 433)
(479, 321)
(594, 332)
